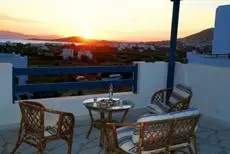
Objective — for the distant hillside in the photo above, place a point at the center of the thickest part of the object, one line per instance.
(74, 39)
(70, 39)
(205, 35)
(14, 35)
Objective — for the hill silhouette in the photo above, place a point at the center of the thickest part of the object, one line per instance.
(204, 35)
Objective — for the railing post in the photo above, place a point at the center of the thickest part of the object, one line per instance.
(173, 43)
(135, 74)
(13, 86)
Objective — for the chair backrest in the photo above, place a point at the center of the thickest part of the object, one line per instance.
(161, 131)
(183, 129)
(154, 135)
(32, 117)
(180, 97)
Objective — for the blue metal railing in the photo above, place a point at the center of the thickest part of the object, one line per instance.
(75, 85)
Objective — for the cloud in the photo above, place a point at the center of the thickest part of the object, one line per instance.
(5, 17)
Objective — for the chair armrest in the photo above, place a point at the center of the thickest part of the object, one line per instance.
(66, 125)
(110, 136)
(161, 95)
(56, 111)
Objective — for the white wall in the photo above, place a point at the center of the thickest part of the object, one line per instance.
(151, 77)
(222, 31)
(18, 62)
(66, 53)
(208, 60)
(211, 88)
(9, 112)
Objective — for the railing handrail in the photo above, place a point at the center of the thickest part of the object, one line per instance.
(74, 85)
(71, 85)
(72, 70)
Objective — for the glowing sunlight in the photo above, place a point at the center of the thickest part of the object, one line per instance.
(86, 32)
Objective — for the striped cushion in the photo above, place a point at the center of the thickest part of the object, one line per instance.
(185, 113)
(179, 92)
(49, 131)
(157, 108)
(50, 123)
(124, 137)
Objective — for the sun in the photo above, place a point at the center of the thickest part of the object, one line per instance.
(86, 32)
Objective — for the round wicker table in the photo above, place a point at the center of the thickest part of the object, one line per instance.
(103, 106)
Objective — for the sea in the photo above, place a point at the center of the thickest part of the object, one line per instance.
(35, 41)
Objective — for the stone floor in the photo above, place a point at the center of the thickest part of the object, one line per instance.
(213, 138)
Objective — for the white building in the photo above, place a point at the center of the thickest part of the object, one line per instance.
(141, 46)
(67, 53)
(86, 53)
(164, 46)
(44, 47)
(17, 61)
(221, 40)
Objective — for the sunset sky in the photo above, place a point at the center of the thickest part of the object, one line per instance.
(133, 20)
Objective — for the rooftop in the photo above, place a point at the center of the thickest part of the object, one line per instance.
(213, 138)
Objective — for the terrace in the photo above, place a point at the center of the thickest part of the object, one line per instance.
(213, 138)
(210, 95)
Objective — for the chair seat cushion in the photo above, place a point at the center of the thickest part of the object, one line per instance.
(157, 108)
(49, 131)
(50, 123)
(124, 137)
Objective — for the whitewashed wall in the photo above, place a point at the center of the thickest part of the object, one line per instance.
(151, 77)
(211, 91)
(221, 37)
(211, 88)
(9, 112)
(18, 62)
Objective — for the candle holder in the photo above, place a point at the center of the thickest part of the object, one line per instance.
(110, 91)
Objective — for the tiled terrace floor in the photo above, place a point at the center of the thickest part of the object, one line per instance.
(213, 138)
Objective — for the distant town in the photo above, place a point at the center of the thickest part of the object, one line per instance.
(91, 53)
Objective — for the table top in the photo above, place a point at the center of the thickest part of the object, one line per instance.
(114, 104)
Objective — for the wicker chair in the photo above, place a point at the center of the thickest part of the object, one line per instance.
(36, 129)
(169, 100)
(164, 134)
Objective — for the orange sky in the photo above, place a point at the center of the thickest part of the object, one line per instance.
(133, 20)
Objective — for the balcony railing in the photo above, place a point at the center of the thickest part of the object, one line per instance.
(75, 85)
